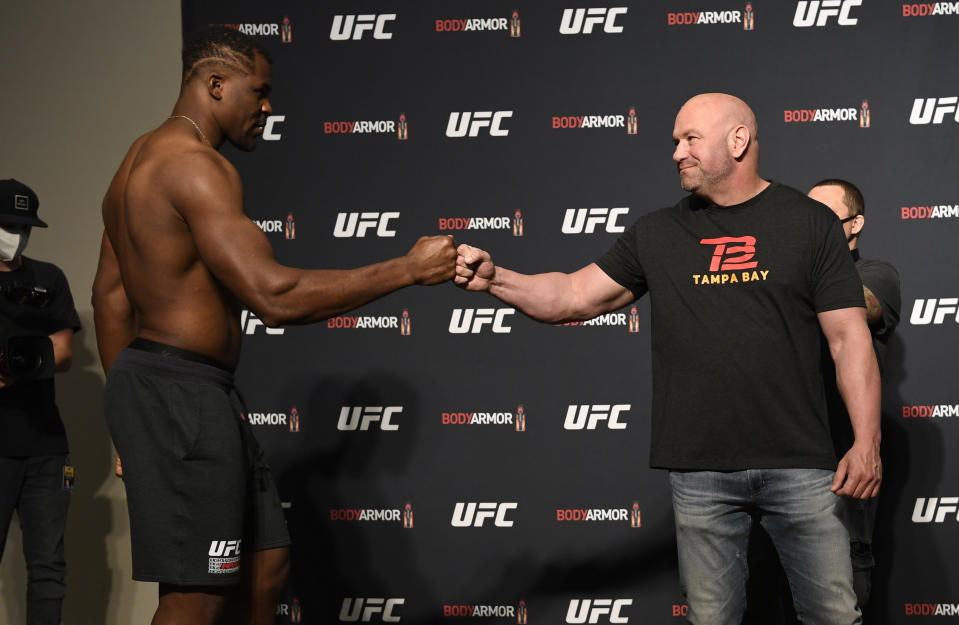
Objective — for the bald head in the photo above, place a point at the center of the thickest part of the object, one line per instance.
(717, 150)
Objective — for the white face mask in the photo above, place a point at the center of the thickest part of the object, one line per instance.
(13, 240)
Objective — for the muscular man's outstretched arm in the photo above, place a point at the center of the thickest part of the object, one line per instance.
(239, 255)
(547, 297)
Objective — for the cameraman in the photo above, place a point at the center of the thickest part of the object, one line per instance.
(37, 323)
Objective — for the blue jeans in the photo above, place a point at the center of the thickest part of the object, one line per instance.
(714, 512)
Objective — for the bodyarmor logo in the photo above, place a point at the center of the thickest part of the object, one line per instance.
(360, 609)
(269, 130)
(933, 110)
(249, 322)
(935, 311)
(468, 123)
(475, 514)
(727, 256)
(357, 224)
(590, 610)
(472, 320)
(354, 418)
(927, 511)
(582, 21)
(587, 416)
(818, 12)
(585, 220)
(354, 26)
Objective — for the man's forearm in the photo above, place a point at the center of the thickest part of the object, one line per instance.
(544, 297)
(857, 377)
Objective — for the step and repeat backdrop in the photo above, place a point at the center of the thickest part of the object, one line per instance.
(445, 459)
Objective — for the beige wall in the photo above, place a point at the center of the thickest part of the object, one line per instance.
(81, 80)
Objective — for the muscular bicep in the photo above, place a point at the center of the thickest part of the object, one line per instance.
(596, 293)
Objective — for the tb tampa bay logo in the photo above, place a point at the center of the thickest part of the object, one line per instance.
(732, 262)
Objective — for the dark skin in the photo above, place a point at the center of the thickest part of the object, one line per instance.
(179, 258)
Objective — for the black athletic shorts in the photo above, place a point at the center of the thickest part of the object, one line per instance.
(199, 492)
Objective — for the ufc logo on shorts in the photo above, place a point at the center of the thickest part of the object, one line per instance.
(926, 510)
(590, 610)
(225, 548)
(580, 220)
(729, 256)
(269, 133)
(360, 418)
(472, 320)
(249, 322)
(588, 416)
(464, 123)
(818, 12)
(354, 26)
(581, 21)
(933, 110)
(360, 609)
(926, 311)
(357, 224)
(475, 514)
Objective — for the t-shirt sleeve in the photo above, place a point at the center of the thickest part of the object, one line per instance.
(62, 312)
(835, 281)
(621, 262)
(883, 280)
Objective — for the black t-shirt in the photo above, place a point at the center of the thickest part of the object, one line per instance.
(29, 420)
(734, 293)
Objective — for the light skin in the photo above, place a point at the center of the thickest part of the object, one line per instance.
(179, 258)
(62, 340)
(718, 159)
(833, 196)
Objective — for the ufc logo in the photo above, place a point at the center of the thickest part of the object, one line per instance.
(249, 322)
(353, 26)
(472, 320)
(818, 12)
(925, 511)
(736, 256)
(357, 417)
(357, 224)
(926, 311)
(464, 123)
(475, 514)
(225, 548)
(933, 110)
(589, 416)
(580, 220)
(589, 611)
(269, 134)
(360, 609)
(581, 21)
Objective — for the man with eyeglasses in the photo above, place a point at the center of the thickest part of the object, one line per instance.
(37, 324)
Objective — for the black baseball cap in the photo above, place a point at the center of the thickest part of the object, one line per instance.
(18, 204)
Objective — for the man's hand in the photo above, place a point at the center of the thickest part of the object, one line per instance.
(118, 466)
(859, 472)
(474, 268)
(432, 260)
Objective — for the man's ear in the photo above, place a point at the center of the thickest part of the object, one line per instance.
(738, 141)
(857, 224)
(214, 85)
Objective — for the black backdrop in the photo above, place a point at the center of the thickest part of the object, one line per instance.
(361, 418)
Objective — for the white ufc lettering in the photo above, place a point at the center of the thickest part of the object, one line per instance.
(359, 417)
(933, 110)
(588, 416)
(925, 512)
(926, 311)
(472, 320)
(581, 21)
(589, 610)
(225, 548)
(461, 124)
(249, 322)
(818, 12)
(354, 26)
(268, 132)
(475, 514)
(357, 224)
(580, 220)
(360, 609)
